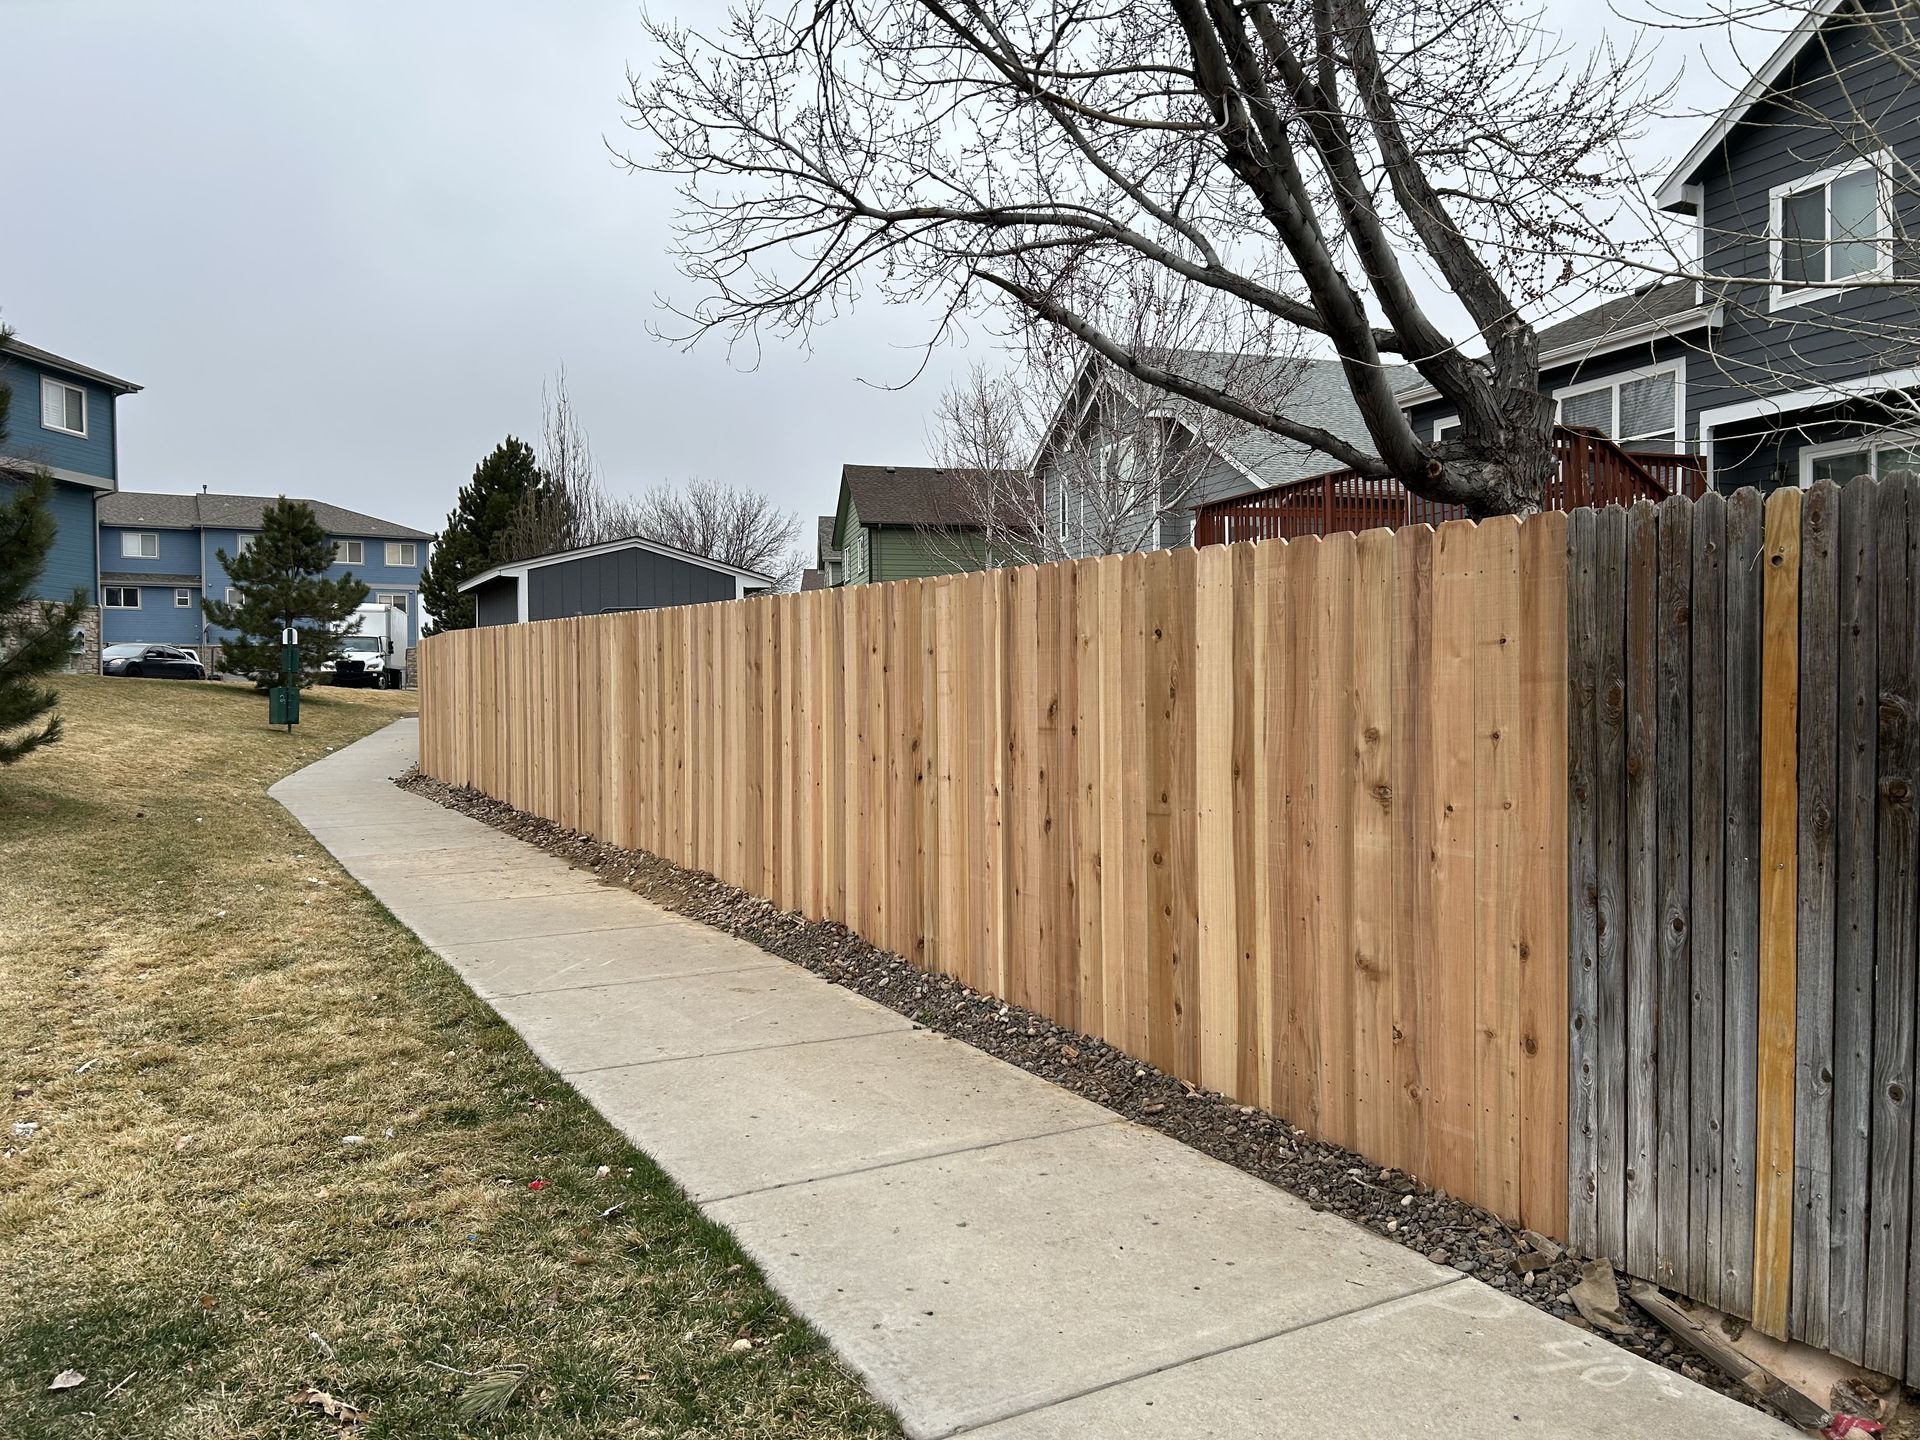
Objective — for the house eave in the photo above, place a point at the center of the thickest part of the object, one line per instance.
(1671, 195)
(47, 360)
(518, 569)
(1699, 318)
(19, 466)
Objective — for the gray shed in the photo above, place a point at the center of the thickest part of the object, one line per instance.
(631, 574)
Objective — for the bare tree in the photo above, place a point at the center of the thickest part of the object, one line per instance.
(568, 508)
(730, 523)
(1112, 463)
(1304, 167)
(1066, 455)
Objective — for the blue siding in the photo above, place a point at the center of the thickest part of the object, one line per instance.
(158, 621)
(28, 439)
(378, 575)
(70, 565)
(179, 552)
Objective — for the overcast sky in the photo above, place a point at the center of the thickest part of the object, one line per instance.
(343, 244)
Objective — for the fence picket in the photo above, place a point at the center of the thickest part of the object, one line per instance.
(1813, 1044)
(1897, 849)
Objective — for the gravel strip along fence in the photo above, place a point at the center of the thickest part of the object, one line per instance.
(1388, 1202)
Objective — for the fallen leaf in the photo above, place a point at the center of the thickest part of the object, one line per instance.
(327, 1405)
(67, 1379)
(536, 1185)
(1597, 1298)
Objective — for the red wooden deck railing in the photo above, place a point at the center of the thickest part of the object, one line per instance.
(1589, 470)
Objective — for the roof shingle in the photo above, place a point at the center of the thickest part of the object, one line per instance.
(916, 494)
(166, 511)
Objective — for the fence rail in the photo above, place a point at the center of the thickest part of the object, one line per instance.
(1287, 821)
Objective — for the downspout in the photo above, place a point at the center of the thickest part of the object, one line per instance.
(99, 607)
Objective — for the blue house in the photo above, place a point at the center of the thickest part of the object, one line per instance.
(1792, 358)
(62, 421)
(158, 558)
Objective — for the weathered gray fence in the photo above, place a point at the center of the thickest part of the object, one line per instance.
(1742, 842)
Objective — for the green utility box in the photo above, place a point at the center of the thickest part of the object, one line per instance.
(283, 705)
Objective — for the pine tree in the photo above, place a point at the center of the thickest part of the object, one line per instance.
(476, 531)
(34, 635)
(282, 581)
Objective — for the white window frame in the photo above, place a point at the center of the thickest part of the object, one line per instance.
(182, 598)
(107, 592)
(133, 545)
(243, 541)
(1450, 422)
(399, 550)
(349, 552)
(396, 598)
(48, 384)
(1677, 368)
(231, 594)
(1781, 296)
(1872, 444)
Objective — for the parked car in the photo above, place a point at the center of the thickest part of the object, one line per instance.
(155, 662)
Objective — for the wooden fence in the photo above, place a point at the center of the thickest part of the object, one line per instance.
(1287, 820)
(1743, 838)
(1568, 864)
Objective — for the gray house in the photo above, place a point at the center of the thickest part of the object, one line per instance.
(1106, 427)
(631, 574)
(1795, 359)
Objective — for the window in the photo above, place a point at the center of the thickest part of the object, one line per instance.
(1640, 409)
(402, 552)
(232, 595)
(183, 599)
(349, 552)
(120, 597)
(1828, 229)
(1875, 455)
(63, 407)
(139, 545)
(1446, 429)
(395, 598)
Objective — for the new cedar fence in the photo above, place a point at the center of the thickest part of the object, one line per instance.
(1566, 864)
(1269, 817)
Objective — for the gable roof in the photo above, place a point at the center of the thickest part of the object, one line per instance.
(1311, 390)
(70, 367)
(1673, 307)
(164, 511)
(517, 569)
(918, 495)
(823, 548)
(1814, 14)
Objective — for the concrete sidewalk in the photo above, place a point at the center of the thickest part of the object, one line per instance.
(993, 1255)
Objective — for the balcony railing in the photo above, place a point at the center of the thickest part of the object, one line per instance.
(1590, 469)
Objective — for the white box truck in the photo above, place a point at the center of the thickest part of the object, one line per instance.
(374, 651)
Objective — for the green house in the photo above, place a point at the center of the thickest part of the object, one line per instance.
(904, 522)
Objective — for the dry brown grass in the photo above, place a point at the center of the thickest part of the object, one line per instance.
(196, 1006)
